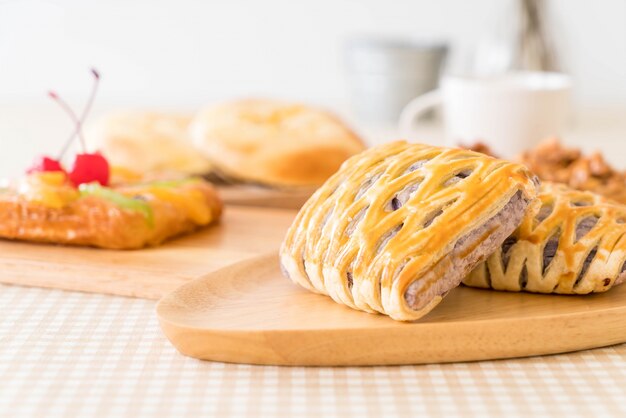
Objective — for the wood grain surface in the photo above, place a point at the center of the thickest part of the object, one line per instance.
(258, 196)
(243, 232)
(249, 313)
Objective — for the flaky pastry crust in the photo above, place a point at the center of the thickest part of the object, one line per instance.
(570, 242)
(398, 226)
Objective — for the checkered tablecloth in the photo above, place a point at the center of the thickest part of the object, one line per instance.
(76, 355)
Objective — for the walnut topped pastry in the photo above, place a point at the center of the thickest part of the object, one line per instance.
(570, 242)
(400, 225)
(551, 161)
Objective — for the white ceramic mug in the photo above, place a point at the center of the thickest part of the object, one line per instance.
(385, 74)
(509, 112)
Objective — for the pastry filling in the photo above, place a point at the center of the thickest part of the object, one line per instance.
(544, 212)
(467, 252)
(506, 247)
(585, 225)
(582, 229)
(586, 265)
(402, 196)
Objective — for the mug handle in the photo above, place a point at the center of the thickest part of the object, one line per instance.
(417, 107)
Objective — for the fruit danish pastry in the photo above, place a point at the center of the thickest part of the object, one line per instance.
(81, 205)
(46, 207)
(570, 242)
(400, 225)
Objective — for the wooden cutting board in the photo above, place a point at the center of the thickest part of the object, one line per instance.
(150, 273)
(250, 195)
(249, 313)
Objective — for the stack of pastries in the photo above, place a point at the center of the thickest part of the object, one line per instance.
(400, 225)
(394, 228)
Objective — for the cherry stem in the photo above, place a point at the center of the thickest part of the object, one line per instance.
(78, 121)
(74, 118)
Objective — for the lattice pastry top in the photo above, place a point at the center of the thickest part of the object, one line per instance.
(570, 242)
(401, 224)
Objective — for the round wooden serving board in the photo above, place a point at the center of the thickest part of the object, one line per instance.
(250, 313)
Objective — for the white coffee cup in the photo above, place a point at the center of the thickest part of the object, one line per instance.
(509, 112)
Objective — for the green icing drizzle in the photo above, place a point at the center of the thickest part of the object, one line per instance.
(125, 202)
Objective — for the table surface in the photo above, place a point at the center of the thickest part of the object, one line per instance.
(74, 354)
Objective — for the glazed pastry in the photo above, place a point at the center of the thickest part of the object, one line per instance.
(273, 143)
(45, 207)
(400, 225)
(149, 142)
(81, 203)
(570, 242)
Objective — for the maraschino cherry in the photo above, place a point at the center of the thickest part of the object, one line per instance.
(87, 167)
(45, 164)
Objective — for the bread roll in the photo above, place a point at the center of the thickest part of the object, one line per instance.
(273, 143)
(149, 142)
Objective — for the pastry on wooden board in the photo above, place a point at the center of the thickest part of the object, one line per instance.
(400, 225)
(148, 142)
(570, 242)
(273, 143)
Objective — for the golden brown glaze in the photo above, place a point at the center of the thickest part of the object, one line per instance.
(557, 215)
(349, 243)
